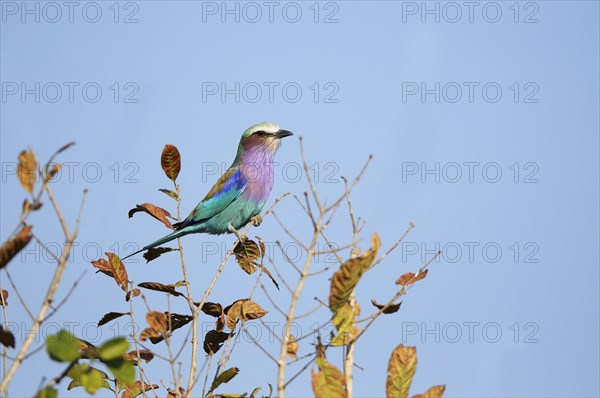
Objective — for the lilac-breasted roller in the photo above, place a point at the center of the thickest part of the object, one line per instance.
(240, 193)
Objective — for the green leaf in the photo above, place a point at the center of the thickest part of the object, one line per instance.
(224, 377)
(254, 392)
(113, 349)
(344, 323)
(171, 194)
(329, 381)
(63, 346)
(401, 370)
(345, 279)
(89, 378)
(122, 369)
(47, 392)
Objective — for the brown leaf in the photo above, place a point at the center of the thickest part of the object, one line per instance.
(251, 310)
(409, 278)
(245, 254)
(4, 298)
(155, 252)
(220, 323)
(212, 309)
(266, 271)
(233, 313)
(432, 392)
(135, 389)
(390, 309)
(7, 339)
(160, 288)
(26, 170)
(12, 247)
(346, 278)
(157, 321)
(261, 244)
(157, 212)
(110, 317)
(177, 321)
(170, 161)
(149, 333)
(87, 349)
(292, 347)
(51, 172)
(103, 266)
(401, 370)
(145, 355)
(213, 341)
(118, 270)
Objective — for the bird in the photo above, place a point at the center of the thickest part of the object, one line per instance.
(240, 194)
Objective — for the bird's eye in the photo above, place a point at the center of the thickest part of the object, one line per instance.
(260, 133)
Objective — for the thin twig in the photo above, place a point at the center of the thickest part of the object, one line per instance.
(58, 274)
(21, 299)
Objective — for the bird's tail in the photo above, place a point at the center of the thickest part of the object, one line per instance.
(173, 235)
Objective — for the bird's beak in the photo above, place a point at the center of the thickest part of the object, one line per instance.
(283, 133)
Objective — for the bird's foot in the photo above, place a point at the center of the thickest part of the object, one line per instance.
(256, 220)
(241, 237)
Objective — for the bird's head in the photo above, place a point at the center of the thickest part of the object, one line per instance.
(263, 135)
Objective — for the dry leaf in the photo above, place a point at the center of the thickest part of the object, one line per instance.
(118, 270)
(160, 288)
(409, 278)
(233, 313)
(433, 392)
(170, 161)
(245, 254)
(111, 316)
(12, 247)
(157, 321)
(7, 339)
(4, 298)
(251, 310)
(212, 309)
(157, 212)
(155, 252)
(135, 389)
(213, 341)
(390, 309)
(292, 347)
(148, 333)
(26, 170)
(145, 355)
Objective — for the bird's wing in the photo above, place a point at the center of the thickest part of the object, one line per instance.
(227, 189)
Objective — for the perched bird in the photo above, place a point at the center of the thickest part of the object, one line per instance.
(240, 193)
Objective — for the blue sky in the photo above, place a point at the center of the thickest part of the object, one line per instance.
(482, 120)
